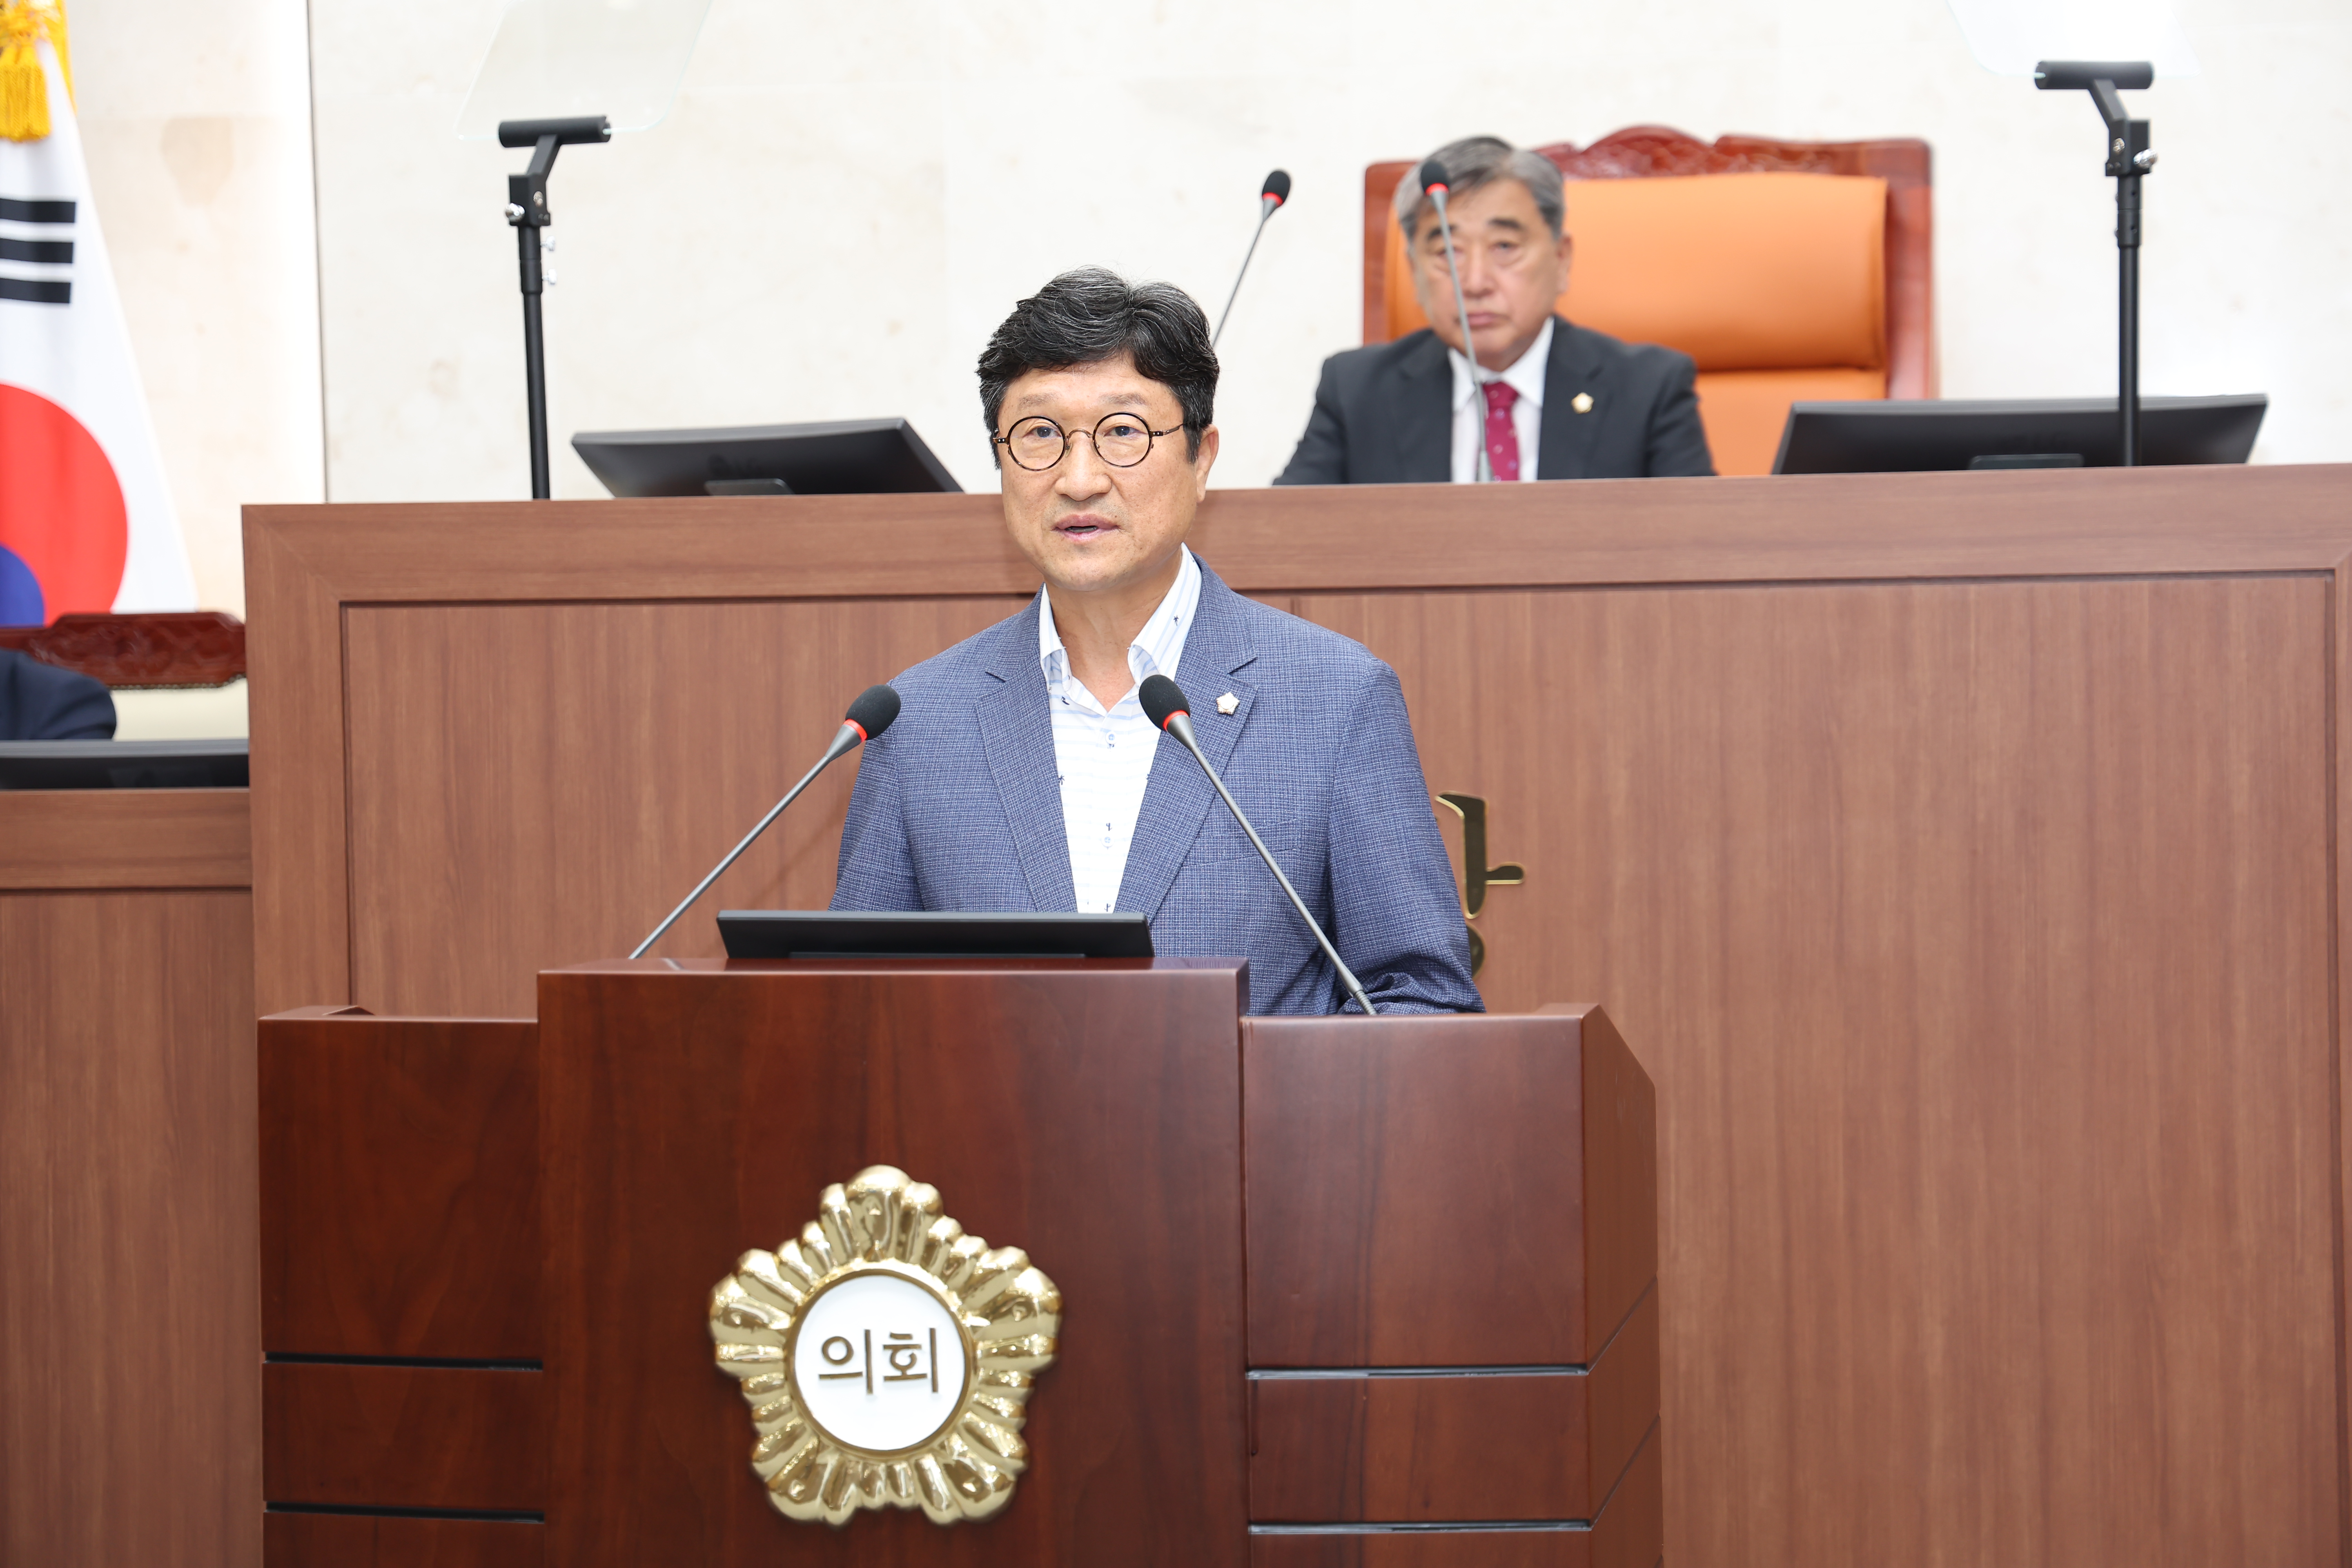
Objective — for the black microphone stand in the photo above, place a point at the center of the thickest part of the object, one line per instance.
(527, 213)
(2128, 159)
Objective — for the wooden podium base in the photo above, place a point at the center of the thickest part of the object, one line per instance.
(1336, 1292)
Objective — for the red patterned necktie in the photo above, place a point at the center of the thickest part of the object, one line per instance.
(1502, 435)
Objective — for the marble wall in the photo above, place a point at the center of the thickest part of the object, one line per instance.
(846, 199)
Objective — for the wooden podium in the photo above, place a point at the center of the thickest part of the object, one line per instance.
(1336, 1290)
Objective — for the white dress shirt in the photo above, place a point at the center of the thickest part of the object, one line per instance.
(1527, 373)
(1104, 756)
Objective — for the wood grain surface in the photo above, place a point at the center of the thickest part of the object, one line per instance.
(404, 1437)
(1422, 1448)
(1626, 1535)
(130, 1349)
(1379, 1152)
(1958, 852)
(399, 1188)
(349, 1541)
(1091, 1116)
(1978, 943)
(65, 839)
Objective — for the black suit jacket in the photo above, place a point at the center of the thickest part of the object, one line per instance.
(1383, 413)
(41, 702)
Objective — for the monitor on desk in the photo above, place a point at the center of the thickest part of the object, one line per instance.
(1904, 435)
(124, 765)
(825, 933)
(832, 458)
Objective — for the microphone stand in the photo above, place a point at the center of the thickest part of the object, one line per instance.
(1482, 473)
(526, 214)
(2129, 158)
(1265, 205)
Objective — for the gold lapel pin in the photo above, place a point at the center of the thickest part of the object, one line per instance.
(1228, 702)
(1582, 403)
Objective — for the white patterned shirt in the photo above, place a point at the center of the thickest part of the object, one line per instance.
(1104, 757)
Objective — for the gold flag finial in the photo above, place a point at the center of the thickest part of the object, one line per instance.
(24, 91)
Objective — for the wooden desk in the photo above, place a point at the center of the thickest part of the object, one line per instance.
(1960, 852)
(130, 1331)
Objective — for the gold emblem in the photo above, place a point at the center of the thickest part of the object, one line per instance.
(886, 1356)
(1582, 403)
(1476, 875)
(1228, 702)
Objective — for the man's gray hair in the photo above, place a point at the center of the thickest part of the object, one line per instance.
(1475, 161)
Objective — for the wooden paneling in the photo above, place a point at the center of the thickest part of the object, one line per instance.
(1977, 938)
(1090, 1116)
(1626, 1535)
(130, 1430)
(359, 1541)
(1959, 851)
(598, 768)
(404, 1437)
(399, 1188)
(57, 839)
(1386, 1153)
(1420, 1448)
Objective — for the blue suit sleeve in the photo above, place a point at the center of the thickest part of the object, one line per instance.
(877, 872)
(1396, 918)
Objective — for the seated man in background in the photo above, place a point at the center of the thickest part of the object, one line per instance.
(1559, 401)
(41, 702)
(1022, 773)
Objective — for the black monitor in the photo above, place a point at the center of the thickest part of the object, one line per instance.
(822, 933)
(124, 765)
(834, 458)
(1905, 437)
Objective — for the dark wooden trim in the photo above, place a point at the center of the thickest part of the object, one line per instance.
(1651, 152)
(195, 647)
(404, 1437)
(363, 1541)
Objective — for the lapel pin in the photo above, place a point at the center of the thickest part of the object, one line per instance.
(1582, 403)
(1228, 702)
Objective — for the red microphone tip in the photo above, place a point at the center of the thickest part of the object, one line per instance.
(862, 736)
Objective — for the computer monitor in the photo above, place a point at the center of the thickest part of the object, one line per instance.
(823, 933)
(834, 457)
(124, 765)
(1903, 437)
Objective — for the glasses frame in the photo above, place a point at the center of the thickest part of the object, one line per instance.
(1069, 438)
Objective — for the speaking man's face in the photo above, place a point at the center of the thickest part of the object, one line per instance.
(1513, 270)
(1106, 514)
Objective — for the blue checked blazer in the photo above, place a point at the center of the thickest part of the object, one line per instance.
(958, 806)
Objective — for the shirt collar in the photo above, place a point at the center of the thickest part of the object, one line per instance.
(1157, 650)
(1526, 373)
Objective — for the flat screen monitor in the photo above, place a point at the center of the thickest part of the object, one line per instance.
(1890, 437)
(822, 933)
(836, 457)
(124, 765)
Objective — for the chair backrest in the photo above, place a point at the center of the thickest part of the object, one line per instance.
(1788, 270)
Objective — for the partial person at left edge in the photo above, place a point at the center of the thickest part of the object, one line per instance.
(1022, 773)
(41, 702)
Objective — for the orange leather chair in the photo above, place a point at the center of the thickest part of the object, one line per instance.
(1787, 269)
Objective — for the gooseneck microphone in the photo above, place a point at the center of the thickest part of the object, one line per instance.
(1163, 702)
(1270, 195)
(871, 714)
(1435, 186)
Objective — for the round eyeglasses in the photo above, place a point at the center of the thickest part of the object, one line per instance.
(1123, 440)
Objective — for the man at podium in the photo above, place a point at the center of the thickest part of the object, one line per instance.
(1022, 773)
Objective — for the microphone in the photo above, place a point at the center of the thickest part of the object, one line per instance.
(1163, 702)
(871, 714)
(2069, 76)
(1434, 186)
(1270, 195)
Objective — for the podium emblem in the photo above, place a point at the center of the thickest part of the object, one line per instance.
(886, 1356)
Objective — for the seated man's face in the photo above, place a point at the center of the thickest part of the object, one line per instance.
(1513, 270)
(1089, 525)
